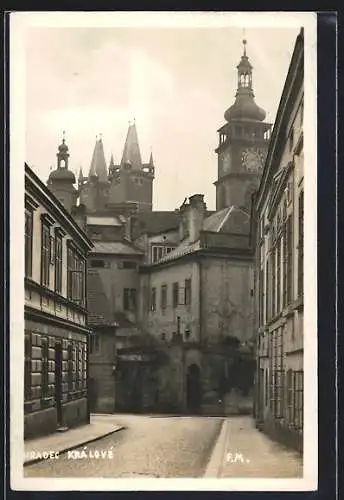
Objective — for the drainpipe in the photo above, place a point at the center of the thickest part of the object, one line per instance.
(88, 343)
(200, 301)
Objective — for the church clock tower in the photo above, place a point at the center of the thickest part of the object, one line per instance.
(243, 143)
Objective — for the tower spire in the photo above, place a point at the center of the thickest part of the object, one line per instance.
(131, 152)
(98, 163)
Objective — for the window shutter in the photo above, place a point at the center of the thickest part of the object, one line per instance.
(181, 293)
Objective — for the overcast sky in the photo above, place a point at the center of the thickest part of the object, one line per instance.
(176, 83)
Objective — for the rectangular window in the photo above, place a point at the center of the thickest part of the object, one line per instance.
(290, 398)
(178, 325)
(153, 299)
(273, 282)
(163, 296)
(76, 269)
(28, 242)
(97, 263)
(298, 400)
(261, 297)
(70, 368)
(58, 264)
(94, 344)
(78, 366)
(300, 246)
(129, 264)
(45, 368)
(129, 299)
(285, 266)
(277, 374)
(157, 253)
(187, 292)
(175, 294)
(27, 367)
(289, 259)
(267, 291)
(278, 277)
(45, 254)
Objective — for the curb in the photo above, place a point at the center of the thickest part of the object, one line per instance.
(74, 446)
(215, 462)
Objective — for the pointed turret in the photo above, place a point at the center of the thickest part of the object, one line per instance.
(151, 161)
(131, 153)
(98, 164)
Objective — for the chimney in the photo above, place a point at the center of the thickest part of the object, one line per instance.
(196, 211)
(183, 224)
(79, 215)
(128, 228)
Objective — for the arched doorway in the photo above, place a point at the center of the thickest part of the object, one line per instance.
(193, 389)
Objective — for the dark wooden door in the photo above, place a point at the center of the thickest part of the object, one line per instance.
(193, 389)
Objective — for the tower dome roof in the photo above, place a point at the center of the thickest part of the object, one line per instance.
(245, 108)
(63, 148)
(62, 174)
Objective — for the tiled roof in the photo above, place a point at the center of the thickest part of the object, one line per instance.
(115, 247)
(104, 221)
(155, 222)
(230, 219)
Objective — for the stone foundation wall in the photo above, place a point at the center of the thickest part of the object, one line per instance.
(281, 433)
(103, 388)
(40, 423)
(75, 413)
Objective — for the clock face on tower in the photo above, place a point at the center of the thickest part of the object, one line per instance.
(226, 161)
(253, 159)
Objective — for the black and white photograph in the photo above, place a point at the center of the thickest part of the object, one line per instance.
(164, 172)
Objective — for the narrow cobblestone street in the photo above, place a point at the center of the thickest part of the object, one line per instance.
(149, 446)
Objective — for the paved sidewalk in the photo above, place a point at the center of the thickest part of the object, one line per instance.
(36, 450)
(243, 451)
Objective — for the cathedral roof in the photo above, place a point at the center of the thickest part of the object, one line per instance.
(98, 164)
(131, 153)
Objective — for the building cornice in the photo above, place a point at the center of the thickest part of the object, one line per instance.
(234, 254)
(44, 317)
(35, 187)
(47, 292)
(278, 139)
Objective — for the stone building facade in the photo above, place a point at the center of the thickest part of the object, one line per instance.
(197, 301)
(279, 267)
(56, 331)
(113, 285)
(190, 351)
